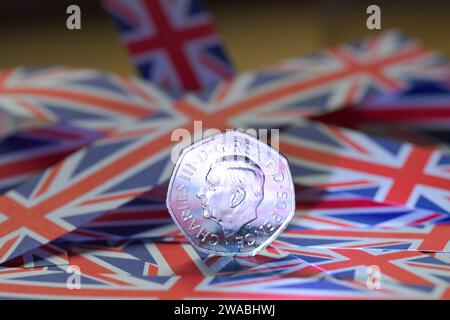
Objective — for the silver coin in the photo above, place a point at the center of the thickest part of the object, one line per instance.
(231, 194)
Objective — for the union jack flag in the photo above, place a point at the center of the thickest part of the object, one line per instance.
(419, 114)
(428, 271)
(310, 86)
(27, 153)
(172, 43)
(91, 181)
(10, 123)
(320, 209)
(84, 97)
(344, 161)
(141, 218)
(434, 238)
(174, 271)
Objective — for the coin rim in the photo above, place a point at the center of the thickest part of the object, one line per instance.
(269, 240)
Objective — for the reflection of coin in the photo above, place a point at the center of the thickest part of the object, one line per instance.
(231, 194)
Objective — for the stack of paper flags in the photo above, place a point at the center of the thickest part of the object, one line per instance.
(82, 193)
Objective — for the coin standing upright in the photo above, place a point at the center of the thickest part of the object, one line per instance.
(231, 194)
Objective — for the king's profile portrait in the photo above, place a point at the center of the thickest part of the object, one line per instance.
(233, 190)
